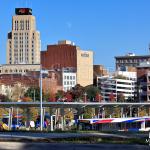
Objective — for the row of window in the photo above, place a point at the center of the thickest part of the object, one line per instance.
(16, 70)
(21, 45)
(21, 34)
(69, 77)
(22, 25)
(67, 88)
(132, 60)
(69, 82)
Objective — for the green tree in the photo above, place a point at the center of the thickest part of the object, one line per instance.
(2, 112)
(4, 98)
(91, 92)
(60, 95)
(33, 93)
(46, 97)
(88, 113)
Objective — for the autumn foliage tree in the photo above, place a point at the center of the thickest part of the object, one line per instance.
(121, 97)
(26, 99)
(111, 97)
(68, 96)
(77, 92)
(98, 97)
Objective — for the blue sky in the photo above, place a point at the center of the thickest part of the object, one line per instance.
(108, 27)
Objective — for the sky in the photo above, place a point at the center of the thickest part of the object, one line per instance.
(108, 27)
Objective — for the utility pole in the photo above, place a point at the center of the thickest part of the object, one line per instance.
(41, 96)
(34, 95)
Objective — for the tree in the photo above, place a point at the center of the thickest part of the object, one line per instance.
(68, 96)
(46, 97)
(77, 92)
(59, 95)
(121, 97)
(33, 113)
(91, 91)
(18, 91)
(52, 98)
(33, 93)
(111, 97)
(2, 112)
(88, 113)
(4, 98)
(98, 97)
(26, 99)
(69, 114)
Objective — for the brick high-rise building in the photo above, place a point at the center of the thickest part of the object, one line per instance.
(66, 54)
(59, 56)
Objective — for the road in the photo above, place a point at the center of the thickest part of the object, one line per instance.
(53, 146)
(56, 135)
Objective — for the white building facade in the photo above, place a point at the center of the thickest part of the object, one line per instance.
(122, 83)
(69, 79)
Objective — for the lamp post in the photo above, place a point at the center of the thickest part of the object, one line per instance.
(140, 91)
(85, 97)
(34, 95)
(99, 96)
(41, 96)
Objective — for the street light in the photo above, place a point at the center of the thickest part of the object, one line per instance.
(33, 95)
(85, 97)
(41, 97)
(99, 96)
(140, 91)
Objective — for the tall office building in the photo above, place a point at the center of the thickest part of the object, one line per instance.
(23, 44)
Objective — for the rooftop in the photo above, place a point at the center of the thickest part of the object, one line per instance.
(133, 56)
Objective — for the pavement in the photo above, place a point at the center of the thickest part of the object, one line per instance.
(37, 140)
(60, 146)
(32, 135)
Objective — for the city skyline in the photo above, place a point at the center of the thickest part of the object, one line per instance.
(106, 27)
